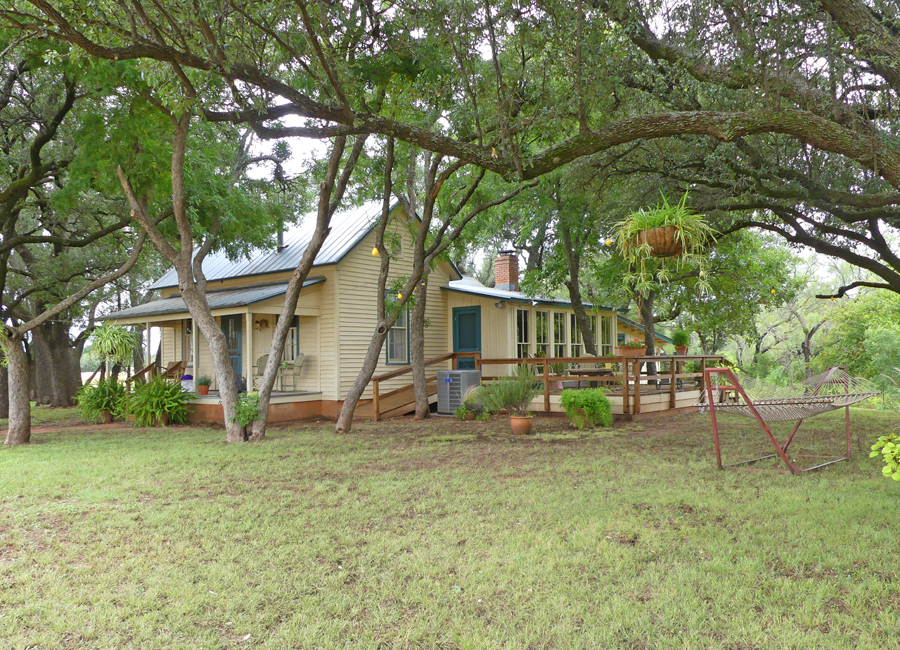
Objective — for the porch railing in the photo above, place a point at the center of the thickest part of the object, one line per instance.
(632, 372)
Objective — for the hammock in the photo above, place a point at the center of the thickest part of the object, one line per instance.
(829, 391)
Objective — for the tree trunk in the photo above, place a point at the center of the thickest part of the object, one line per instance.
(417, 352)
(4, 390)
(573, 284)
(42, 364)
(221, 361)
(19, 399)
(345, 419)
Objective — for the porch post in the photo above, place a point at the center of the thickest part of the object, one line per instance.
(251, 370)
(149, 359)
(195, 349)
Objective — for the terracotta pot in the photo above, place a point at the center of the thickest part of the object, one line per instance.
(625, 351)
(162, 420)
(681, 349)
(204, 390)
(107, 416)
(520, 424)
(662, 241)
(469, 416)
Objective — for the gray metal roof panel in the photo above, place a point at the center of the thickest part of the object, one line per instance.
(348, 228)
(223, 299)
(469, 285)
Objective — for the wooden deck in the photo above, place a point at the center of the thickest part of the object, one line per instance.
(636, 386)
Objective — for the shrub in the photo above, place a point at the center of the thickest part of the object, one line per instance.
(888, 448)
(105, 395)
(513, 394)
(247, 409)
(587, 407)
(157, 398)
(204, 380)
(681, 338)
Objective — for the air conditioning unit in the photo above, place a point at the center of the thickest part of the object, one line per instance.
(453, 386)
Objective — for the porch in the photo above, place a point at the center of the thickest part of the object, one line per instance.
(636, 386)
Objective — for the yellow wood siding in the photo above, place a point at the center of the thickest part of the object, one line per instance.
(357, 305)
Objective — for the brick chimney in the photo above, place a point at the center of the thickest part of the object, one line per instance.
(506, 271)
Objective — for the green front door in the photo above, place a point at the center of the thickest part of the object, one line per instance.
(467, 333)
(232, 329)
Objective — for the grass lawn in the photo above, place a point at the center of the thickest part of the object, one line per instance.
(45, 416)
(445, 535)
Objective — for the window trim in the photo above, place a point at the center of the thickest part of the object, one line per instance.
(387, 345)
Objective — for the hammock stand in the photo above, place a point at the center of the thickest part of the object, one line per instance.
(783, 409)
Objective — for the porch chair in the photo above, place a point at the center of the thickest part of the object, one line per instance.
(175, 370)
(260, 368)
(293, 372)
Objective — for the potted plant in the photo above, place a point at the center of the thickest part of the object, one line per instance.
(203, 384)
(633, 348)
(514, 395)
(159, 402)
(681, 340)
(663, 231)
(105, 400)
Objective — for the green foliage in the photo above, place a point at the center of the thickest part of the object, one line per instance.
(152, 400)
(204, 380)
(113, 342)
(473, 403)
(888, 448)
(247, 409)
(105, 395)
(512, 394)
(681, 338)
(636, 343)
(587, 407)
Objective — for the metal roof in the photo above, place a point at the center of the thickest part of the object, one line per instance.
(348, 228)
(223, 299)
(473, 286)
(637, 325)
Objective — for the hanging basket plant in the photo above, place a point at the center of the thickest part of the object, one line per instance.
(667, 231)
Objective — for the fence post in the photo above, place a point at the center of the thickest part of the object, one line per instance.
(625, 406)
(546, 386)
(637, 387)
(477, 360)
(375, 404)
(673, 365)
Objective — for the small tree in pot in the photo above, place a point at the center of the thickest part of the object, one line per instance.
(203, 383)
(681, 340)
(514, 395)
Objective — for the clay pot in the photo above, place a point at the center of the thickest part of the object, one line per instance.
(520, 424)
(203, 390)
(626, 351)
(681, 349)
(107, 416)
(662, 241)
(469, 416)
(162, 420)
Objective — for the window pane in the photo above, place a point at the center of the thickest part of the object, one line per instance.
(559, 335)
(522, 334)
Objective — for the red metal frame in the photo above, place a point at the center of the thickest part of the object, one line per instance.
(780, 450)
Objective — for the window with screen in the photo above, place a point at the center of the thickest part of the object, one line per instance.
(542, 333)
(523, 334)
(576, 348)
(559, 335)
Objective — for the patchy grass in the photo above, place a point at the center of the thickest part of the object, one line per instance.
(46, 416)
(444, 534)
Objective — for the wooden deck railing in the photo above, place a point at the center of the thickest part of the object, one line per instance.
(376, 381)
(629, 374)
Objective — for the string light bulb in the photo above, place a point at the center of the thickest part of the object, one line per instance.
(375, 251)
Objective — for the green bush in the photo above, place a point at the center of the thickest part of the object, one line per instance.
(681, 338)
(246, 410)
(105, 395)
(204, 380)
(587, 407)
(158, 397)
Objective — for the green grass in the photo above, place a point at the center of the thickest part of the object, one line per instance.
(444, 535)
(45, 416)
